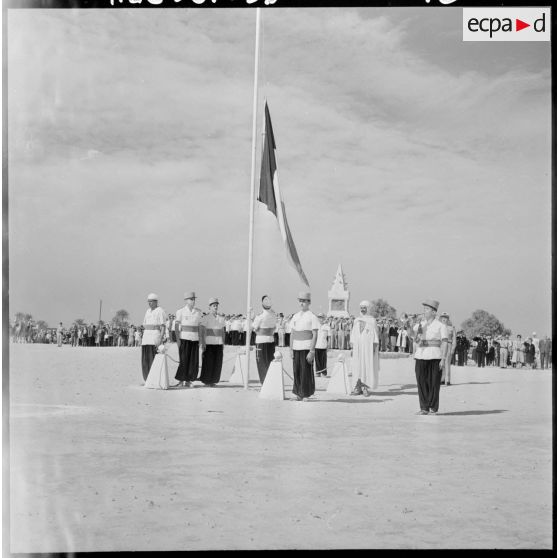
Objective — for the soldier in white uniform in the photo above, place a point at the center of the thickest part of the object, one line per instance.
(446, 372)
(153, 333)
(431, 339)
(187, 331)
(264, 327)
(304, 334)
(281, 330)
(212, 339)
(320, 362)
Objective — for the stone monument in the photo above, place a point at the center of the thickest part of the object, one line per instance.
(338, 296)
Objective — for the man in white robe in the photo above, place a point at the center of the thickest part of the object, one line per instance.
(365, 338)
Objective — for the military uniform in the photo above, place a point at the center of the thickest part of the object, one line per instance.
(187, 327)
(429, 338)
(213, 338)
(264, 328)
(302, 342)
(153, 329)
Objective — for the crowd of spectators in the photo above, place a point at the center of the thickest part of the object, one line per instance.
(482, 350)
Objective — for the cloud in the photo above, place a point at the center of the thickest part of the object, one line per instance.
(130, 139)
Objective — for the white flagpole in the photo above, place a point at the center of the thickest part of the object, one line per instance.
(252, 200)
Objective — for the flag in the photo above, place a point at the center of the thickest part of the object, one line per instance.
(270, 194)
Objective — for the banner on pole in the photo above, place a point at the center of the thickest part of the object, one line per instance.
(270, 195)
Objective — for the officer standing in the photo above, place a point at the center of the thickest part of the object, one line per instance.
(153, 333)
(304, 334)
(187, 331)
(264, 328)
(212, 339)
(431, 339)
(446, 372)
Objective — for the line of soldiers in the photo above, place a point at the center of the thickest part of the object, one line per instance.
(195, 331)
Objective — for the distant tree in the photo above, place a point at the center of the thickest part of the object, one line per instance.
(483, 323)
(121, 318)
(382, 309)
(80, 322)
(22, 316)
(41, 324)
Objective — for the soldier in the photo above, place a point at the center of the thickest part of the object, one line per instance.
(304, 334)
(281, 329)
(320, 361)
(187, 333)
(264, 327)
(212, 339)
(446, 373)
(431, 339)
(153, 333)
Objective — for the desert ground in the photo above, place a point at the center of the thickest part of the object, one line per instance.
(100, 463)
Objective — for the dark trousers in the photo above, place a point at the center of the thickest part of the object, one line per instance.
(264, 356)
(429, 377)
(320, 361)
(212, 362)
(188, 352)
(303, 376)
(481, 358)
(384, 342)
(148, 353)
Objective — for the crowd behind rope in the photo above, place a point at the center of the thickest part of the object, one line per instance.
(513, 351)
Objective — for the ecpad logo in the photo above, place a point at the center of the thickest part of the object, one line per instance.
(506, 24)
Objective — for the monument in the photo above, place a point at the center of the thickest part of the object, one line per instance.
(338, 296)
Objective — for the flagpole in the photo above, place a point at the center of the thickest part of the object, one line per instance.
(252, 199)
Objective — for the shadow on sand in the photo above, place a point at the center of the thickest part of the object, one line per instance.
(472, 383)
(465, 413)
(355, 399)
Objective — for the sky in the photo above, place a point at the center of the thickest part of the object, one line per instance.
(419, 162)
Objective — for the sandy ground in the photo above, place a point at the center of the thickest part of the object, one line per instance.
(99, 463)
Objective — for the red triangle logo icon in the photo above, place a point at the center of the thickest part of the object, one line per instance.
(519, 25)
